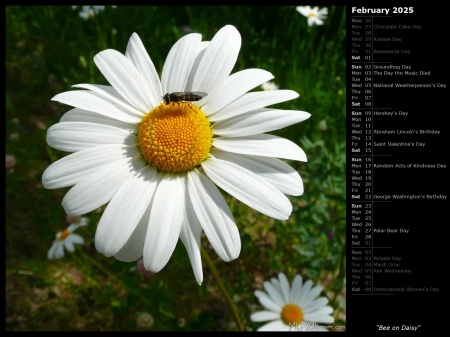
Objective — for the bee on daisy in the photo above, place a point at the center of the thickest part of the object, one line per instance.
(159, 164)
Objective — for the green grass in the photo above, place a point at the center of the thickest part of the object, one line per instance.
(49, 49)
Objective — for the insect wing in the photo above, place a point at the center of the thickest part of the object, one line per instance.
(195, 95)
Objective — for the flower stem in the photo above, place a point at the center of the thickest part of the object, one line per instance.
(225, 293)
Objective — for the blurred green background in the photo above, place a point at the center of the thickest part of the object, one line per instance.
(49, 49)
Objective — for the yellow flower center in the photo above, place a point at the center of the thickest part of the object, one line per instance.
(63, 235)
(175, 137)
(291, 314)
(312, 15)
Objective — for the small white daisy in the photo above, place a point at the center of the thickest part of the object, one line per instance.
(64, 239)
(314, 15)
(157, 163)
(269, 86)
(292, 308)
(87, 12)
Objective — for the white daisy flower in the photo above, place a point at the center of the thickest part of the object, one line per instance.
(314, 15)
(269, 86)
(64, 239)
(87, 12)
(157, 163)
(292, 308)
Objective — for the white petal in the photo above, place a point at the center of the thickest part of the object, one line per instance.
(100, 186)
(80, 115)
(252, 101)
(296, 289)
(69, 245)
(59, 252)
(262, 316)
(218, 60)
(303, 10)
(138, 55)
(316, 304)
(318, 21)
(285, 288)
(312, 294)
(235, 86)
(90, 101)
(275, 326)
(247, 187)
(305, 291)
(125, 78)
(327, 310)
(267, 302)
(191, 231)
(134, 248)
(77, 239)
(124, 211)
(273, 170)
(320, 316)
(258, 121)
(214, 216)
(52, 250)
(71, 169)
(76, 136)
(73, 227)
(178, 64)
(261, 145)
(274, 294)
(164, 226)
(276, 284)
(198, 58)
(111, 95)
(322, 11)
